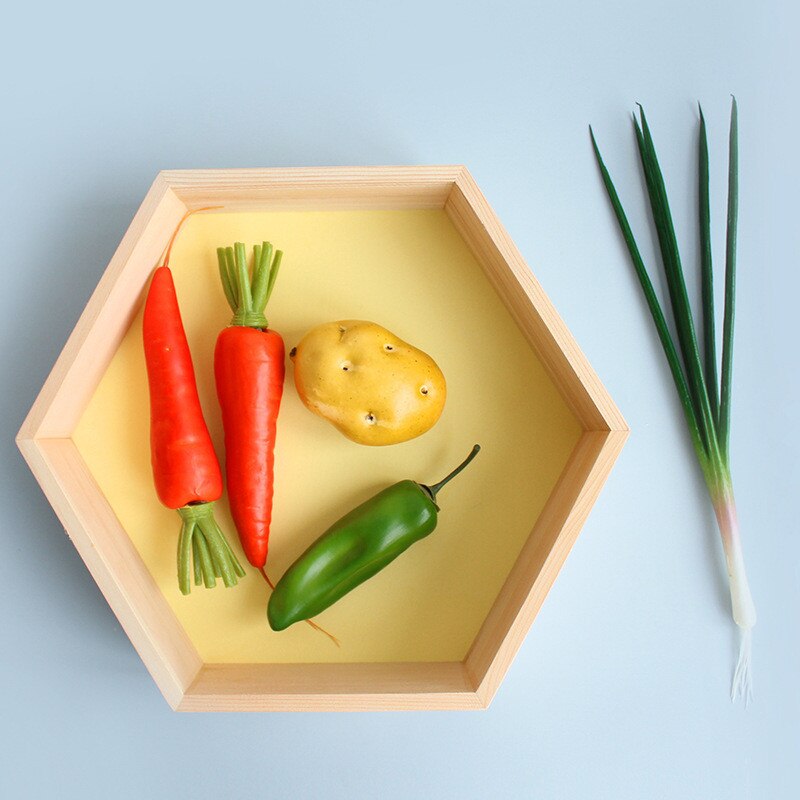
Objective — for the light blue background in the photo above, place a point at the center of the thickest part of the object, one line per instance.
(620, 690)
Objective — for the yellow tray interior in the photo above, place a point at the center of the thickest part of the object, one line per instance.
(411, 272)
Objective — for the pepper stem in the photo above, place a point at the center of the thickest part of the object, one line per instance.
(202, 540)
(246, 291)
(462, 466)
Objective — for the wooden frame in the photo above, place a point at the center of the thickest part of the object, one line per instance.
(186, 682)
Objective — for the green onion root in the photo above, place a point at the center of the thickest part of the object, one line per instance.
(742, 606)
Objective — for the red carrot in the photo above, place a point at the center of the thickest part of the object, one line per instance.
(249, 370)
(185, 467)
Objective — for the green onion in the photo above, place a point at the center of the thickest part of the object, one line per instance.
(705, 398)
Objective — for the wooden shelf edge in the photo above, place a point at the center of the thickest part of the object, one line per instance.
(316, 188)
(114, 564)
(530, 307)
(109, 554)
(89, 348)
(331, 687)
(541, 559)
(178, 179)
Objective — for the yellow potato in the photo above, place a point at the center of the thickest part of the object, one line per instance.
(374, 387)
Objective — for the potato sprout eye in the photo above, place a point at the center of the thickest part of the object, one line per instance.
(388, 347)
(423, 389)
(347, 365)
(370, 419)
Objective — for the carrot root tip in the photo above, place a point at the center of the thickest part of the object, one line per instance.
(313, 624)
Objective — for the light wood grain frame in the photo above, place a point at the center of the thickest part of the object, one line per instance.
(186, 682)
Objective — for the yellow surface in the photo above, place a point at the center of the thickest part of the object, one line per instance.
(410, 272)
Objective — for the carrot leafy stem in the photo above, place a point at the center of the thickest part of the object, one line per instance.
(202, 542)
(246, 293)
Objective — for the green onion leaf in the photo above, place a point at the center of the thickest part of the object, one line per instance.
(652, 301)
(707, 274)
(730, 281)
(676, 284)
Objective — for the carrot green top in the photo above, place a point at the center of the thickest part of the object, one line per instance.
(248, 296)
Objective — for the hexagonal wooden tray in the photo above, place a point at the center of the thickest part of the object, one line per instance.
(440, 628)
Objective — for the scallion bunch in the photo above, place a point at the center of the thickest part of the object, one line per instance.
(705, 394)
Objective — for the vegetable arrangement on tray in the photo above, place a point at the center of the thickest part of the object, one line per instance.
(374, 387)
(377, 389)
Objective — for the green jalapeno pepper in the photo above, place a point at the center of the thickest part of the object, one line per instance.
(355, 548)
